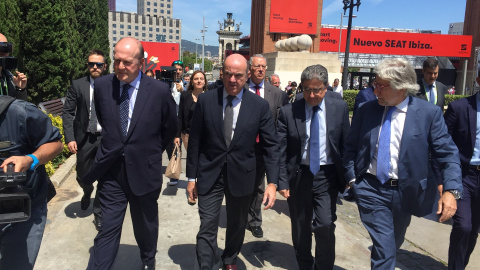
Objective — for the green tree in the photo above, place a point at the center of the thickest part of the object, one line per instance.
(47, 48)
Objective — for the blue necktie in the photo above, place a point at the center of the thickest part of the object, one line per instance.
(383, 155)
(315, 142)
(124, 109)
(431, 94)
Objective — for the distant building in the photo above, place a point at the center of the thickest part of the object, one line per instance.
(455, 28)
(111, 5)
(228, 36)
(153, 23)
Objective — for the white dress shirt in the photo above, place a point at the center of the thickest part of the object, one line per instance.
(251, 87)
(92, 86)
(325, 157)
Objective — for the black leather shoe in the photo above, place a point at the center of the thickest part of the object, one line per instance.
(85, 201)
(98, 222)
(256, 231)
(148, 266)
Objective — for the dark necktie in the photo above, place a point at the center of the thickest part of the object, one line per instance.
(92, 124)
(431, 94)
(315, 142)
(383, 155)
(257, 92)
(124, 109)
(228, 121)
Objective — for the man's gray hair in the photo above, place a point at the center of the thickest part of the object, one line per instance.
(250, 61)
(400, 75)
(274, 75)
(318, 72)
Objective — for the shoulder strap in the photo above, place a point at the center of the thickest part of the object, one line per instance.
(5, 101)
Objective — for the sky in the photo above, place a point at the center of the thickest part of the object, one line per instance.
(406, 14)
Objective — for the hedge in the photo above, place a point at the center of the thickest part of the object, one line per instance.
(52, 165)
(349, 97)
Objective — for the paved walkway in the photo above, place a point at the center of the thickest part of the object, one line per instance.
(69, 235)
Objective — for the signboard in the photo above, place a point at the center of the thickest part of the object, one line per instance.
(293, 17)
(159, 54)
(397, 43)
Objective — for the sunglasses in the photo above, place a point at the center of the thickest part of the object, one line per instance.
(178, 62)
(92, 64)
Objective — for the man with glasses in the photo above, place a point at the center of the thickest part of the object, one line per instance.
(82, 130)
(275, 80)
(276, 98)
(387, 160)
(312, 132)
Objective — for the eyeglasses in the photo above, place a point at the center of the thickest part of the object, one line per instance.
(178, 62)
(379, 86)
(314, 90)
(92, 64)
(260, 67)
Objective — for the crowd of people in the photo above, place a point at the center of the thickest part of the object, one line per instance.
(247, 139)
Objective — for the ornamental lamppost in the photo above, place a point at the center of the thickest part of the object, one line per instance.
(348, 4)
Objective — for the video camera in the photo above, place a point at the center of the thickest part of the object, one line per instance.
(7, 62)
(167, 75)
(15, 204)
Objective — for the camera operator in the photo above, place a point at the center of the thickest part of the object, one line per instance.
(28, 140)
(9, 84)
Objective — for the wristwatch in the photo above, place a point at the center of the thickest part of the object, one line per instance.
(456, 193)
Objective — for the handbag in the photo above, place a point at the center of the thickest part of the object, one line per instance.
(174, 167)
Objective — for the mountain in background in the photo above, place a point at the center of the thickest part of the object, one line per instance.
(190, 46)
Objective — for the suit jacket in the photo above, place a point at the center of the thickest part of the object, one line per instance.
(152, 128)
(276, 98)
(362, 97)
(441, 92)
(461, 121)
(292, 138)
(424, 132)
(76, 110)
(208, 153)
(185, 113)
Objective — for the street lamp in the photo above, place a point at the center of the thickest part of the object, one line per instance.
(348, 4)
(341, 24)
(196, 49)
(203, 44)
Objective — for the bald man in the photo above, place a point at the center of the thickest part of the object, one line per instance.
(138, 118)
(11, 85)
(221, 158)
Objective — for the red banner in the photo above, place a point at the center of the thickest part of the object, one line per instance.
(159, 54)
(293, 17)
(397, 43)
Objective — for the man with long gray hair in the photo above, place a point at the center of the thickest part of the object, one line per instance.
(387, 160)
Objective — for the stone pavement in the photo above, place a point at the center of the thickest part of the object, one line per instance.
(69, 235)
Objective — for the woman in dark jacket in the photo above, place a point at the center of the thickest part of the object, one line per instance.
(188, 100)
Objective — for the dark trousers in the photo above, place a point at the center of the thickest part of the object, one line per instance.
(209, 206)
(311, 194)
(466, 222)
(255, 212)
(87, 149)
(382, 215)
(114, 197)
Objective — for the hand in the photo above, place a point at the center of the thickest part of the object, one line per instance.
(447, 206)
(72, 146)
(440, 189)
(177, 141)
(179, 86)
(192, 190)
(20, 80)
(269, 196)
(22, 163)
(285, 193)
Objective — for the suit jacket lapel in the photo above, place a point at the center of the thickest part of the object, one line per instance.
(142, 97)
(217, 113)
(330, 118)
(243, 116)
(410, 126)
(86, 92)
(298, 110)
(472, 119)
(374, 118)
(114, 88)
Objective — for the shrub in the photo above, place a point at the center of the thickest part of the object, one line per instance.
(52, 165)
(349, 97)
(450, 98)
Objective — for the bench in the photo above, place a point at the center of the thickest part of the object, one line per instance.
(54, 107)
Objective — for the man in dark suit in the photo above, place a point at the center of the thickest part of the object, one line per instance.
(276, 98)
(387, 160)
(362, 97)
(82, 130)
(463, 125)
(432, 90)
(221, 157)
(312, 132)
(138, 118)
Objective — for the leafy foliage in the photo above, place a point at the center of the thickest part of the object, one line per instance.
(52, 165)
(349, 97)
(189, 61)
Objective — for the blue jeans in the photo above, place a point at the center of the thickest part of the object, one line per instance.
(21, 241)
